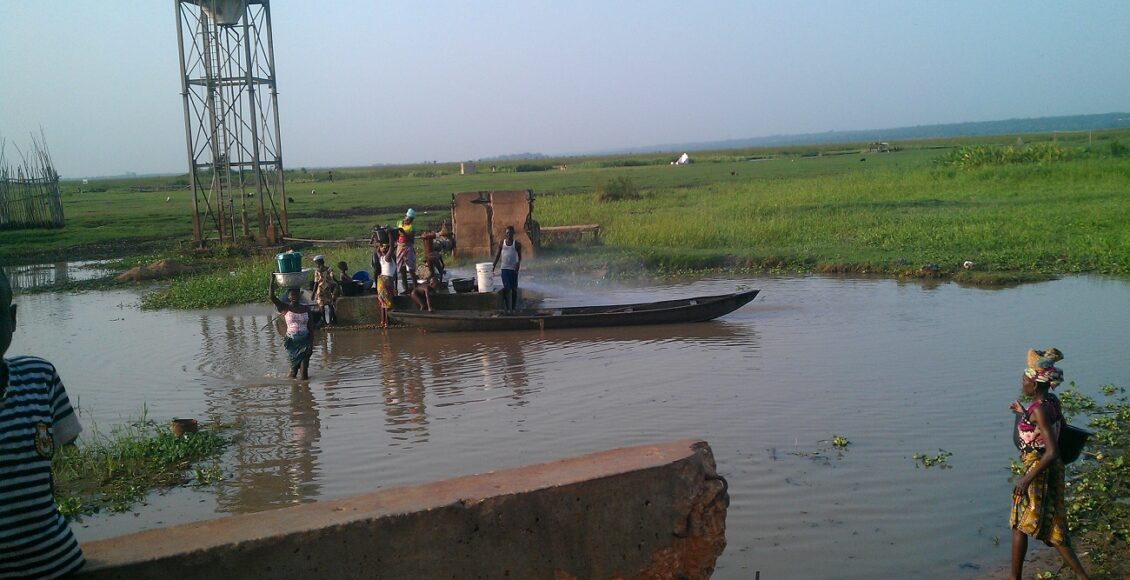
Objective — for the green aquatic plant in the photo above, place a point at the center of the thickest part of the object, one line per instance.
(940, 460)
(114, 471)
(1098, 486)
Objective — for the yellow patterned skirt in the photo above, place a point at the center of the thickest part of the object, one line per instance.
(385, 287)
(1038, 511)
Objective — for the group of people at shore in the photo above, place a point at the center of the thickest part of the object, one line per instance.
(398, 260)
(394, 256)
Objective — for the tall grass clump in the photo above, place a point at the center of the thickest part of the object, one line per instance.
(116, 471)
(973, 156)
(242, 279)
(242, 284)
(617, 189)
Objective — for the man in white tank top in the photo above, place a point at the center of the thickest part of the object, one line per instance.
(510, 255)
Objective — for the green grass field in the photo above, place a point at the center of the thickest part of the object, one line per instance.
(824, 209)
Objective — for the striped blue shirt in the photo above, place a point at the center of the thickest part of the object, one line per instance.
(36, 418)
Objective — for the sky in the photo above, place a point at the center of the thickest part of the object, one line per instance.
(369, 81)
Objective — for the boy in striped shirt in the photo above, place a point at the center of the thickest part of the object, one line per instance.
(36, 418)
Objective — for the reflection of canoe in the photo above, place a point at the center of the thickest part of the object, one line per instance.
(668, 311)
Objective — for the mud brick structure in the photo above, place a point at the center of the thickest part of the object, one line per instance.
(480, 217)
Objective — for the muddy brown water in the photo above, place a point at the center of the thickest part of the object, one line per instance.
(897, 368)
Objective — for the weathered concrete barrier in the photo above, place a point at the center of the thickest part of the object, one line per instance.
(654, 511)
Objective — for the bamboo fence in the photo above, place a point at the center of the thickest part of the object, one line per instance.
(29, 190)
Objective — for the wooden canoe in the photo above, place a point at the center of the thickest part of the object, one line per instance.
(696, 309)
(364, 311)
(360, 310)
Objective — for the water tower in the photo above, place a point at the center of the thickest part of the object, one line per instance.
(231, 119)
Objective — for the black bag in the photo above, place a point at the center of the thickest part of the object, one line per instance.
(1071, 440)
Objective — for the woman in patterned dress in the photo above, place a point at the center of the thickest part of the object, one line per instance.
(1037, 498)
(386, 281)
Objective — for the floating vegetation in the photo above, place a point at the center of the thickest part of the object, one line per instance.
(824, 454)
(941, 460)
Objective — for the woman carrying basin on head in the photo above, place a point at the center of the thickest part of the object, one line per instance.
(299, 340)
(386, 280)
(406, 249)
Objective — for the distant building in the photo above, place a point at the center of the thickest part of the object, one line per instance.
(467, 168)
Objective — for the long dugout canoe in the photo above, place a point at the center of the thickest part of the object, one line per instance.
(697, 309)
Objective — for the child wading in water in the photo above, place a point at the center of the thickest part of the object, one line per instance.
(1037, 499)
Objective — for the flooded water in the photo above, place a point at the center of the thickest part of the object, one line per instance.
(897, 368)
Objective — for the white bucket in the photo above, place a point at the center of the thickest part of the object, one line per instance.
(483, 273)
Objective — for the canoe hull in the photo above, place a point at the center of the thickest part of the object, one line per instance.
(359, 310)
(697, 309)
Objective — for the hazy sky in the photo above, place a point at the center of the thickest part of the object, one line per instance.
(368, 81)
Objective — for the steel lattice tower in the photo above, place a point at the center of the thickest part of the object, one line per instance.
(231, 118)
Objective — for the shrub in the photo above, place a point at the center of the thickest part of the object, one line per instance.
(617, 189)
(634, 162)
(524, 167)
(987, 155)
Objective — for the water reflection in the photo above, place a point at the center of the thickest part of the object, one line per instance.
(273, 458)
(54, 274)
(419, 373)
(402, 382)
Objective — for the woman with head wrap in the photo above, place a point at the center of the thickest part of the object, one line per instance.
(1037, 499)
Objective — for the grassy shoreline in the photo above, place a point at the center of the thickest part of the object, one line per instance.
(1018, 214)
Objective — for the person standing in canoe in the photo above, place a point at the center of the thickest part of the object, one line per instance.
(509, 254)
(386, 281)
(1037, 498)
(433, 259)
(299, 340)
(406, 249)
(326, 290)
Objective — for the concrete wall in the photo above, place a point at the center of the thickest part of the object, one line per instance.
(654, 511)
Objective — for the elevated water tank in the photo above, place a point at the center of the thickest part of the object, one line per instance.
(224, 12)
